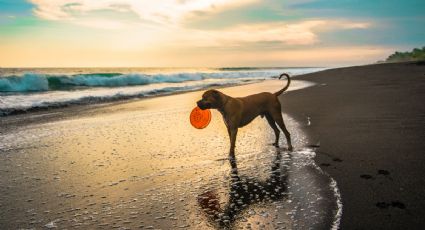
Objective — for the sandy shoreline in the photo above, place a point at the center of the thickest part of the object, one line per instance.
(369, 123)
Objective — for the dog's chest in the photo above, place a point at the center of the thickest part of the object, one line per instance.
(226, 121)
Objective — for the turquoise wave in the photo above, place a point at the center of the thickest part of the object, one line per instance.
(41, 82)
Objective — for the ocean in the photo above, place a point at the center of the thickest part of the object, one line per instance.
(26, 89)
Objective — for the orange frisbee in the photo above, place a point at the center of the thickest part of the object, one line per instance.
(200, 118)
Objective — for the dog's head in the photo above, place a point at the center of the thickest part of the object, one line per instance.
(211, 99)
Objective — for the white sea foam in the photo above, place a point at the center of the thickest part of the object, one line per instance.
(95, 95)
(332, 186)
(40, 90)
(337, 219)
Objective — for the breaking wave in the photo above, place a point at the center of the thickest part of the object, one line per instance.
(28, 82)
(40, 89)
(40, 82)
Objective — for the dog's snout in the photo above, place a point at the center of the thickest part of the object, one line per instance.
(203, 104)
(200, 104)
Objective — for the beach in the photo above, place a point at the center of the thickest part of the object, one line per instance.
(357, 161)
(367, 123)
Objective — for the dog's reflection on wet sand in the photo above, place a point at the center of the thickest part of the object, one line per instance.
(243, 192)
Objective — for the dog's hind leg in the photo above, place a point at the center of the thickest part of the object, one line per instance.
(276, 130)
(277, 116)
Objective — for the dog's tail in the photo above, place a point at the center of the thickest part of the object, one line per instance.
(287, 84)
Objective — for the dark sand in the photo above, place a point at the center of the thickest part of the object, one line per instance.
(369, 122)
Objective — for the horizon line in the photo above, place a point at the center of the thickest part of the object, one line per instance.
(161, 67)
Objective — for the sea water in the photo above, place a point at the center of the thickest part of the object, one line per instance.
(23, 89)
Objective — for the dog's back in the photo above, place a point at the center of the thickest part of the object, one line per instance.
(257, 104)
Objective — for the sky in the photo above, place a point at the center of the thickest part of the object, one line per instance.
(206, 33)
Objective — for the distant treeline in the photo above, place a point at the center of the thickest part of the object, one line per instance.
(415, 55)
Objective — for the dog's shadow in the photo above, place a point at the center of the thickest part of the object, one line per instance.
(244, 191)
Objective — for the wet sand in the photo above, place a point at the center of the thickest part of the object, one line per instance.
(367, 124)
(140, 164)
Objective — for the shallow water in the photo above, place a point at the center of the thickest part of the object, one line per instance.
(141, 165)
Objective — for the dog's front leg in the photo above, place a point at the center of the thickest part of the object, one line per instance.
(232, 135)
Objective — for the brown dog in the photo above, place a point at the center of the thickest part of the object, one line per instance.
(238, 112)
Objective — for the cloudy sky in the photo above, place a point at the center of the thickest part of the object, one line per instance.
(206, 33)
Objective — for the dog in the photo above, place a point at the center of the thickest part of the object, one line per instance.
(238, 112)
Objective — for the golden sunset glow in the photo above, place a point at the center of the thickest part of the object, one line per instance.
(191, 33)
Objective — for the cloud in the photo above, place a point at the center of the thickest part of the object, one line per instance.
(252, 36)
(161, 20)
(163, 11)
(358, 26)
(283, 33)
(159, 24)
(103, 24)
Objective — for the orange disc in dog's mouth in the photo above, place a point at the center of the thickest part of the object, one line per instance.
(200, 118)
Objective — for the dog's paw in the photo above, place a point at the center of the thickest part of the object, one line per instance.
(275, 145)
